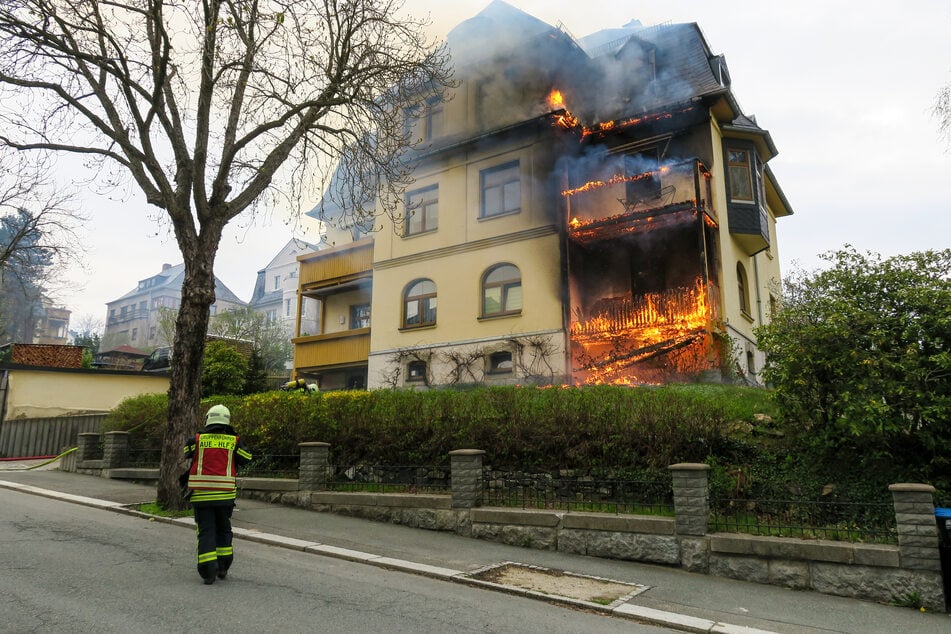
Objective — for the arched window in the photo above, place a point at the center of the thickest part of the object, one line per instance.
(502, 290)
(419, 304)
(743, 288)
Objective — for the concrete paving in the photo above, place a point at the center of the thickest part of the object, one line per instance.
(673, 598)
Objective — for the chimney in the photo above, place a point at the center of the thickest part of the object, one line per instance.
(166, 267)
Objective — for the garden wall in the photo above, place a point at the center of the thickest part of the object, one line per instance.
(910, 571)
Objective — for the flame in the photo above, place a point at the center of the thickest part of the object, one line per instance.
(614, 180)
(605, 126)
(631, 333)
(563, 118)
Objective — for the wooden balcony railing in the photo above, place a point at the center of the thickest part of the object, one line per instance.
(332, 349)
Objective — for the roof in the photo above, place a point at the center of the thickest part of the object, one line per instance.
(289, 252)
(124, 351)
(171, 279)
(499, 23)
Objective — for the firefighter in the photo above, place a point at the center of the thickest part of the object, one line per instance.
(215, 454)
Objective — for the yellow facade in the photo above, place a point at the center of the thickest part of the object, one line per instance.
(538, 247)
(76, 392)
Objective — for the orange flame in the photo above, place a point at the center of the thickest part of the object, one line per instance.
(604, 126)
(563, 118)
(622, 334)
(614, 180)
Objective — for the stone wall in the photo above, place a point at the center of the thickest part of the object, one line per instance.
(883, 573)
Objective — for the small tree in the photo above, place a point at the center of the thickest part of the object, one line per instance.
(861, 351)
(268, 338)
(256, 378)
(224, 370)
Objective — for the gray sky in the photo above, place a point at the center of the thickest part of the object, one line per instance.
(846, 89)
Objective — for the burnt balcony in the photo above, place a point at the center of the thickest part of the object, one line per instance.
(630, 203)
(336, 349)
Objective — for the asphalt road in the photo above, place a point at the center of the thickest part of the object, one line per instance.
(70, 568)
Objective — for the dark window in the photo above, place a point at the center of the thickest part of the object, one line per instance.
(422, 210)
(419, 304)
(500, 362)
(434, 119)
(501, 190)
(741, 175)
(359, 316)
(501, 290)
(743, 288)
(424, 122)
(416, 371)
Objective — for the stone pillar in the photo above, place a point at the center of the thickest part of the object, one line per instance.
(691, 498)
(466, 473)
(115, 449)
(87, 446)
(917, 528)
(314, 465)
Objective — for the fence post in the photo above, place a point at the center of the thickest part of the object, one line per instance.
(917, 528)
(87, 444)
(691, 497)
(314, 463)
(465, 468)
(115, 449)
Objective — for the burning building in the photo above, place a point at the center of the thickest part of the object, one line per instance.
(585, 211)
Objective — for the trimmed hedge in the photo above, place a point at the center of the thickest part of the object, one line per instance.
(597, 427)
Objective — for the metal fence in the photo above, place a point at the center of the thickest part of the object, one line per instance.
(433, 479)
(271, 466)
(840, 521)
(580, 493)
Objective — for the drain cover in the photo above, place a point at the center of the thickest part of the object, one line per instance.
(558, 583)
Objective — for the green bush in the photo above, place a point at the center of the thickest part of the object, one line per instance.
(144, 417)
(628, 433)
(223, 371)
(603, 427)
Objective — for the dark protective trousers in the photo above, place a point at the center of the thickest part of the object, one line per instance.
(215, 552)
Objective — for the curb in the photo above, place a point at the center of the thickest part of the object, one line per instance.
(640, 614)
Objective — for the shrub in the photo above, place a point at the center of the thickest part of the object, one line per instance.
(224, 369)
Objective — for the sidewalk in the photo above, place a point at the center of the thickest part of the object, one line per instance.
(673, 598)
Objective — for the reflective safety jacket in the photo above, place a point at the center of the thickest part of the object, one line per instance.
(215, 455)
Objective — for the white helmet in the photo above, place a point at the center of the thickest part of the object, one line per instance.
(218, 415)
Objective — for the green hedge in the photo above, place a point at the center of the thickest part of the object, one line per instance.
(599, 427)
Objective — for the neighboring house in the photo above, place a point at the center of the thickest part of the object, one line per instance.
(275, 290)
(593, 211)
(135, 318)
(53, 324)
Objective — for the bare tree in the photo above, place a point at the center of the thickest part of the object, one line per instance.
(208, 106)
(39, 218)
(268, 338)
(37, 238)
(942, 110)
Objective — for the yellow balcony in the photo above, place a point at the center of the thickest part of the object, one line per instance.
(336, 349)
(331, 267)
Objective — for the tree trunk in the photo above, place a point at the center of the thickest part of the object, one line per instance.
(184, 394)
